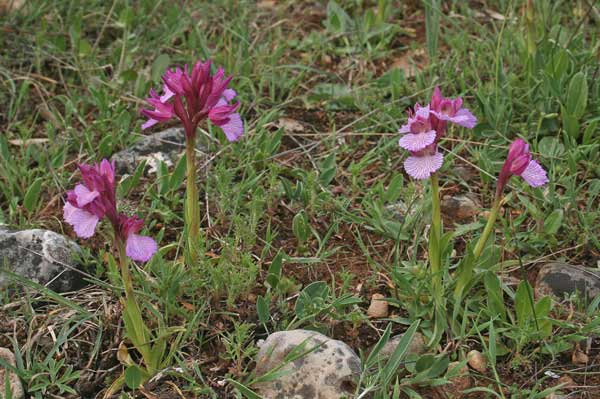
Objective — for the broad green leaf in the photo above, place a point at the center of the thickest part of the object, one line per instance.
(577, 95)
(274, 273)
(262, 308)
(133, 376)
(523, 304)
(159, 66)
(33, 195)
(553, 222)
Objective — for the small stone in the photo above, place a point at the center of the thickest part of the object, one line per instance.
(167, 146)
(465, 173)
(378, 307)
(567, 381)
(459, 382)
(579, 357)
(417, 346)
(42, 256)
(330, 371)
(16, 388)
(290, 125)
(460, 207)
(559, 279)
(477, 361)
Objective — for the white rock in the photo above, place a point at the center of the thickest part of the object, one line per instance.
(16, 388)
(42, 256)
(329, 371)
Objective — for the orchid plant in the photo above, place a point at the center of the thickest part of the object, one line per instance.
(421, 135)
(87, 204)
(194, 98)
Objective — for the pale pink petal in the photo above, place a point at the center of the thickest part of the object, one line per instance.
(229, 94)
(234, 128)
(84, 196)
(140, 248)
(149, 123)
(534, 174)
(83, 222)
(417, 142)
(463, 117)
(167, 94)
(405, 128)
(421, 167)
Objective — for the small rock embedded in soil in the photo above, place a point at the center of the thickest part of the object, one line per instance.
(459, 383)
(559, 279)
(477, 361)
(167, 146)
(460, 207)
(330, 371)
(579, 357)
(16, 388)
(417, 346)
(378, 307)
(42, 256)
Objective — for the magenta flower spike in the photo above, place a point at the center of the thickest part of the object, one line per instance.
(94, 199)
(194, 97)
(518, 162)
(425, 128)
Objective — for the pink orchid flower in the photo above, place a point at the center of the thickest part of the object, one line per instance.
(518, 162)
(95, 199)
(425, 128)
(196, 97)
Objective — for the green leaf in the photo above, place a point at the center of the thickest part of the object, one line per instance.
(300, 227)
(262, 308)
(553, 222)
(274, 274)
(522, 304)
(178, 175)
(133, 376)
(492, 353)
(577, 95)
(159, 66)
(378, 346)
(244, 390)
(389, 371)
(33, 195)
(494, 292)
(338, 20)
(589, 132)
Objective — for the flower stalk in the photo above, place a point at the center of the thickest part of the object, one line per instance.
(192, 204)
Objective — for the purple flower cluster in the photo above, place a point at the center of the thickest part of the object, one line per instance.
(194, 97)
(426, 126)
(518, 162)
(95, 199)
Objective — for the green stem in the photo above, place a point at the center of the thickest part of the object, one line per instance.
(135, 328)
(192, 205)
(435, 259)
(489, 227)
(436, 229)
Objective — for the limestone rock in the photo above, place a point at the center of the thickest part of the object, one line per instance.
(166, 146)
(42, 256)
(460, 207)
(417, 346)
(477, 361)
(328, 372)
(378, 307)
(16, 388)
(559, 279)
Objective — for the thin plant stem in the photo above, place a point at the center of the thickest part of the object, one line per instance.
(489, 227)
(192, 206)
